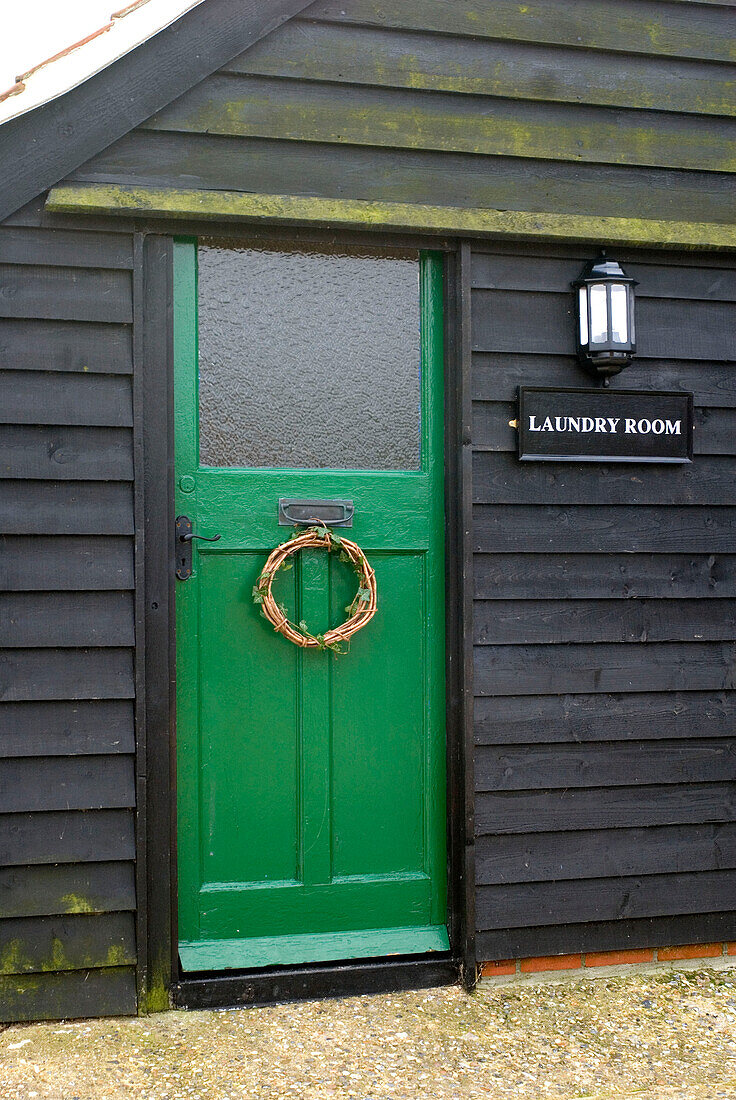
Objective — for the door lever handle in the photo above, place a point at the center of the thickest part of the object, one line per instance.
(205, 538)
(184, 537)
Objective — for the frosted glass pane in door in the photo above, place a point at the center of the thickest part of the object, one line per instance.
(308, 358)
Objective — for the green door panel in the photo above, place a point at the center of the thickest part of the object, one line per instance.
(379, 824)
(311, 786)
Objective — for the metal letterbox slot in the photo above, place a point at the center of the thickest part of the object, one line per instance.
(331, 513)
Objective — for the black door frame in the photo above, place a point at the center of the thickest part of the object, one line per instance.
(159, 977)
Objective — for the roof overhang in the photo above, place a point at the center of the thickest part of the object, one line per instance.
(126, 29)
(42, 146)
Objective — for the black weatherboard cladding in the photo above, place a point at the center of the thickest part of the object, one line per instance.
(604, 625)
(618, 108)
(67, 739)
(604, 597)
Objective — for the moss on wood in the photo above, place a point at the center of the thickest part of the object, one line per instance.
(299, 111)
(391, 217)
(636, 26)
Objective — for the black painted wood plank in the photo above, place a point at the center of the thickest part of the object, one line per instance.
(493, 126)
(36, 397)
(589, 576)
(295, 983)
(459, 603)
(71, 836)
(536, 719)
(605, 899)
(65, 293)
(47, 674)
(66, 508)
(58, 619)
(64, 247)
(60, 135)
(34, 215)
(542, 669)
(496, 377)
(95, 454)
(611, 853)
(545, 274)
(615, 935)
(631, 27)
(602, 529)
(665, 327)
(467, 866)
(617, 808)
(494, 428)
(156, 659)
(32, 945)
(498, 479)
(67, 728)
(523, 622)
(35, 783)
(607, 764)
(33, 563)
(715, 432)
(67, 888)
(161, 159)
(65, 346)
(652, 255)
(145, 978)
(391, 58)
(69, 995)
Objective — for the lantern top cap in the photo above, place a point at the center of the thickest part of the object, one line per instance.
(603, 270)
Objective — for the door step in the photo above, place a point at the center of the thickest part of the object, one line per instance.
(313, 982)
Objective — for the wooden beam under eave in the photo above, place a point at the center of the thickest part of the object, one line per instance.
(388, 216)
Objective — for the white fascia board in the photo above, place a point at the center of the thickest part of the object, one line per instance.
(55, 77)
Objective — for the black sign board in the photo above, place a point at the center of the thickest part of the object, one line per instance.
(605, 425)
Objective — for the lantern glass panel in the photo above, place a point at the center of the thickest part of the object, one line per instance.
(619, 314)
(583, 311)
(598, 314)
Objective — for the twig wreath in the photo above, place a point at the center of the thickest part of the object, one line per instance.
(360, 611)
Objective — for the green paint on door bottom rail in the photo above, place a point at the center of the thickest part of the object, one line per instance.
(325, 947)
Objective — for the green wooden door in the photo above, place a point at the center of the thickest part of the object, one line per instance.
(311, 786)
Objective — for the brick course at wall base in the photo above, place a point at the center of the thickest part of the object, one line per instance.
(596, 959)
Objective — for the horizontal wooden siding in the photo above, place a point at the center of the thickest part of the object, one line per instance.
(618, 108)
(67, 739)
(604, 627)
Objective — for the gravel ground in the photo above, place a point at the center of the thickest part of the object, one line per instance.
(667, 1035)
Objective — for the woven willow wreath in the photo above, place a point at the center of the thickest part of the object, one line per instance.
(360, 611)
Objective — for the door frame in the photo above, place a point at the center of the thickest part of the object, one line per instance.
(159, 979)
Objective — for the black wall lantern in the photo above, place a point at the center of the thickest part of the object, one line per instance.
(604, 300)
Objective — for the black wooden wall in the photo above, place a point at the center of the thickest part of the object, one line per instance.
(604, 597)
(605, 618)
(67, 790)
(620, 108)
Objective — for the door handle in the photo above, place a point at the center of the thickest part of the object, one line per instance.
(184, 537)
(204, 538)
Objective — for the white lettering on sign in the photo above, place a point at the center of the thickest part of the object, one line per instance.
(657, 427)
(604, 425)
